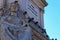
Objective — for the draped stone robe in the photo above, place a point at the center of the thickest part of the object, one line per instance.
(12, 29)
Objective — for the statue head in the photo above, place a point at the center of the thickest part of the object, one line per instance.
(14, 7)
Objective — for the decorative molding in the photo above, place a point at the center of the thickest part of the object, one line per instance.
(44, 2)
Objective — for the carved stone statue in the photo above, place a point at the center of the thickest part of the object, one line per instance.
(13, 27)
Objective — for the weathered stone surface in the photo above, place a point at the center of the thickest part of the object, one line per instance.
(14, 24)
(13, 27)
(10, 31)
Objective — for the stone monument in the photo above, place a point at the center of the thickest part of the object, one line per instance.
(12, 27)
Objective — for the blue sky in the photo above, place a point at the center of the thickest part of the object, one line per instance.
(52, 18)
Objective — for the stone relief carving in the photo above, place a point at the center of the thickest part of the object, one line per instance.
(14, 30)
(13, 27)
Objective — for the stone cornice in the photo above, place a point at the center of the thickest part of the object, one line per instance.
(44, 2)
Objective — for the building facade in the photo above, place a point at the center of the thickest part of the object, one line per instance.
(25, 14)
